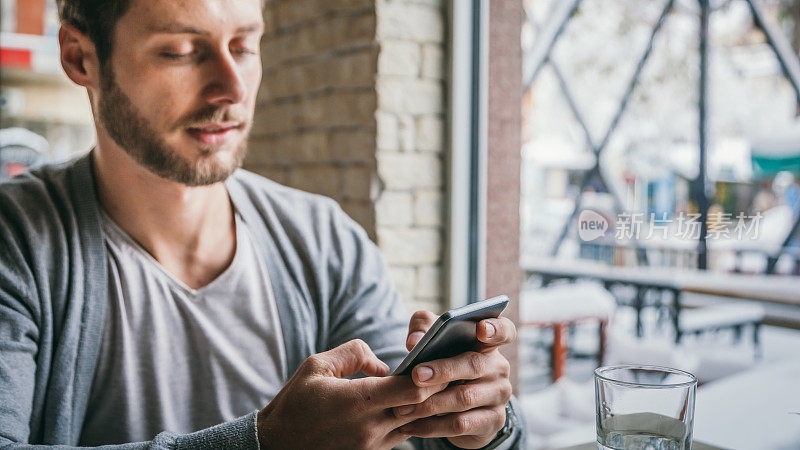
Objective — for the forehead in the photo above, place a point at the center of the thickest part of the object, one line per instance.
(209, 16)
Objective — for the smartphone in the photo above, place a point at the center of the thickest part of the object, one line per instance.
(452, 334)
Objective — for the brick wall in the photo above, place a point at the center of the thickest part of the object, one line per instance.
(314, 126)
(410, 146)
(352, 107)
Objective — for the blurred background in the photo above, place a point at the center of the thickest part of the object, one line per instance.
(625, 170)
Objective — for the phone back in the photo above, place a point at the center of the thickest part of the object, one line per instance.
(456, 336)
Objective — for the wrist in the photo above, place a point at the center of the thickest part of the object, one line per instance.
(262, 428)
(502, 439)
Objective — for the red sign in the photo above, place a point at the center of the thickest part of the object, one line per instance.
(15, 58)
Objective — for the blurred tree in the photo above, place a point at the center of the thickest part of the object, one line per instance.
(790, 15)
(793, 13)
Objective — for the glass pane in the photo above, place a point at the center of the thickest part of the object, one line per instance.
(611, 251)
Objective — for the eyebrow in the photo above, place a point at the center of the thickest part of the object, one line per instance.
(176, 28)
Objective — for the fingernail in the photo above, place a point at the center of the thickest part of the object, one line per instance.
(405, 410)
(415, 337)
(424, 373)
(488, 328)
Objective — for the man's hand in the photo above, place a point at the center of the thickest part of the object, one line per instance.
(319, 408)
(471, 410)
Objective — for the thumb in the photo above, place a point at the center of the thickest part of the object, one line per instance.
(351, 358)
(420, 322)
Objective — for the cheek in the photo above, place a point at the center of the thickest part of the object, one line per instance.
(162, 111)
(167, 104)
(157, 98)
(253, 81)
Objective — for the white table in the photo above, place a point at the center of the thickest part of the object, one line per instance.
(757, 409)
(783, 290)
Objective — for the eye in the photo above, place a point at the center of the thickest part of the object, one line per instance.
(244, 51)
(179, 52)
(175, 56)
(246, 45)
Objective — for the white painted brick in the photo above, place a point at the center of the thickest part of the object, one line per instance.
(404, 279)
(388, 131)
(428, 208)
(429, 283)
(432, 61)
(410, 246)
(433, 305)
(435, 3)
(402, 171)
(404, 95)
(414, 21)
(394, 209)
(407, 132)
(430, 134)
(399, 58)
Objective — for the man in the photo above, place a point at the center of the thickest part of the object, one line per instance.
(151, 292)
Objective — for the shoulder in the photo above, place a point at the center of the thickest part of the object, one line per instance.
(36, 201)
(42, 212)
(291, 206)
(38, 224)
(310, 225)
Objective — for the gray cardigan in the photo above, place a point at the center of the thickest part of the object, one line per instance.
(330, 281)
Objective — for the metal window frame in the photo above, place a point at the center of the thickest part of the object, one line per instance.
(467, 122)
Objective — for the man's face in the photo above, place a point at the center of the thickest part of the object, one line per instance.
(179, 90)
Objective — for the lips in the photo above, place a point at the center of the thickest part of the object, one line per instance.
(213, 134)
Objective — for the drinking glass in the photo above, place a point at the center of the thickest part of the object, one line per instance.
(644, 407)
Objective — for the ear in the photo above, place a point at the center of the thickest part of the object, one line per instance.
(78, 56)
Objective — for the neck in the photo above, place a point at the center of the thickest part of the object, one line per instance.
(188, 230)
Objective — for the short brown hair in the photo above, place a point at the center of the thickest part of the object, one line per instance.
(96, 18)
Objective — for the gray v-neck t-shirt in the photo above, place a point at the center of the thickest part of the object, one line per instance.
(179, 359)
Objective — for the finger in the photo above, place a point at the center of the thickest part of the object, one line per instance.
(420, 322)
(466, 366)
(495, 332)
(394, 439)
(459, 398)
(348, 359)
(475, 422)
(389, 392)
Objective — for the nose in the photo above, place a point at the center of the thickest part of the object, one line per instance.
(227, 84)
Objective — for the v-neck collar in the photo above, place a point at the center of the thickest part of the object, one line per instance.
(112, 227)
(296, 312)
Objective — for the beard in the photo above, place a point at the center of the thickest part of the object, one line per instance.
(138, 138)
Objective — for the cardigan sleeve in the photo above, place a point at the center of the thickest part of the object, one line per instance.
(33, 263)
(20, 343)
(364, 303)
(19, 336)
(367, 306)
